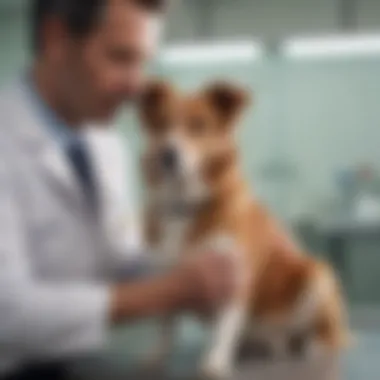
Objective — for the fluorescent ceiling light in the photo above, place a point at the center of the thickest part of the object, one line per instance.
(210, 53)
(332, 46)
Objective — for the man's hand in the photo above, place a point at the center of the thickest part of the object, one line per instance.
(201, 284)
(209, 280)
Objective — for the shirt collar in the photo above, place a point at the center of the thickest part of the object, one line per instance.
(62, 133)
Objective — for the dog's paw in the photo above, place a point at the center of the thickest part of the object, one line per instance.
(215, 369)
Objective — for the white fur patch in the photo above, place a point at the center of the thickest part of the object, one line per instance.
(230, 321)
(188, 159)
(173, 233)
(226, 329)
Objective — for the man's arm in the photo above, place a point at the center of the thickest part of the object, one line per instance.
(200, 284)
(41, 320)
(157, 296)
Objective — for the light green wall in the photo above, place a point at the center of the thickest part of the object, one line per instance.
(13, 44)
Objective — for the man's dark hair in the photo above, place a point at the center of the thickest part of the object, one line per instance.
(80, 16)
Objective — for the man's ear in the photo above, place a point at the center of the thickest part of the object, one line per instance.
(228, 100)
(154, 95)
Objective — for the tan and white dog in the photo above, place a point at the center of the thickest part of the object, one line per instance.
(198, 200)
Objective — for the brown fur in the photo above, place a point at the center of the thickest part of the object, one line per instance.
(279, 271)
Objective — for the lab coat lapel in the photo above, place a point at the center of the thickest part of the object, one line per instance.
(59, 172)
(49, 155)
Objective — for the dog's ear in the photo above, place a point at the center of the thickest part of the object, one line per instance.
(228, 100)
(154, 95)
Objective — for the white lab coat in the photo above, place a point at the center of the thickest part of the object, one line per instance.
(56, 259)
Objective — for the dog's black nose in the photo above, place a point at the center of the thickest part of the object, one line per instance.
(169, 159)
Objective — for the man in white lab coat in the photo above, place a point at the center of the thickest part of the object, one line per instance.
(66, 228)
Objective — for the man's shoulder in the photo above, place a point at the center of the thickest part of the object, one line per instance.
(12, 103)
(13, 114)
(9, 91)
(8, 142)
(12, 86)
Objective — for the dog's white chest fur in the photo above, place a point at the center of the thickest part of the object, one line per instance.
(177, 214)
(173, 233)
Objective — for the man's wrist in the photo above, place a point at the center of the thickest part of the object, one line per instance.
(178, 290)
(164, 295)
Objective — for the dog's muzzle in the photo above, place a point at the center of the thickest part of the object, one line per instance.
(169, 160)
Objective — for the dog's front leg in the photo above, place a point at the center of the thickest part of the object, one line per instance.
(218, 362)
(226, 328)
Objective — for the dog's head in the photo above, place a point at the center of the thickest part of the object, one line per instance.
(190, 137)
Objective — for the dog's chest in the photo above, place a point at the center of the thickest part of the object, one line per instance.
(173, 234)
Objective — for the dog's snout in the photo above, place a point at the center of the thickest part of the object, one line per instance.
(169, 159)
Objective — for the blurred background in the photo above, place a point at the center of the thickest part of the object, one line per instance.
(311, 141)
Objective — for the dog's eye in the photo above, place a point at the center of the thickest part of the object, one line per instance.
(197, 126)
